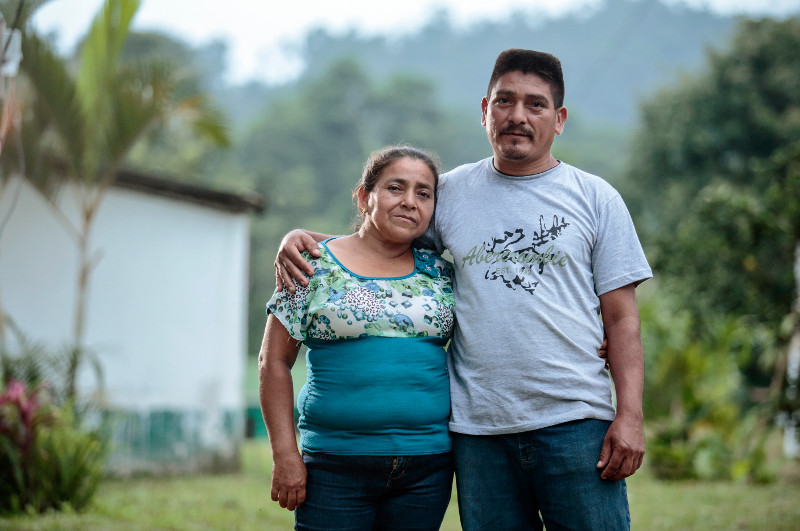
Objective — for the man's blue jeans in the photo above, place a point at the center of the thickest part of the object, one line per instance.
(505, 481)
(362, 493)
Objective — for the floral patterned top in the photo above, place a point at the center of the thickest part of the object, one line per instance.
(377, 380)
(339, 304)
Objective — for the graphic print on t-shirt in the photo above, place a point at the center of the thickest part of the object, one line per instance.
(518, 260)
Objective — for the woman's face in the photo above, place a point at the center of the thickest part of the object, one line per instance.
(400, 206)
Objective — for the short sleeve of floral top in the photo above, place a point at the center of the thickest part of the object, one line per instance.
(338, 304)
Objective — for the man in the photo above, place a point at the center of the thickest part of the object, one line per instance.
(541, 251)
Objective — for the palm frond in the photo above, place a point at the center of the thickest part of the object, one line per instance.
(56, 95)
(142, 91)
(101, 52)
(206, 119)
(94, 119)
(35, 150)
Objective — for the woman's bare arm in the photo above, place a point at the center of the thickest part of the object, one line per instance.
(276, 395)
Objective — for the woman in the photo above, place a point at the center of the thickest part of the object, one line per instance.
(375, 318)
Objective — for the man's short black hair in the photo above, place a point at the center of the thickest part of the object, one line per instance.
(544, 65)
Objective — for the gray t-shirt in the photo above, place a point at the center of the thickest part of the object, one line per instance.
(531, 255)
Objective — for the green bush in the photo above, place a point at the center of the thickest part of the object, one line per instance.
(46, 460)
(706, 417)
(670, 458)
(700, 450)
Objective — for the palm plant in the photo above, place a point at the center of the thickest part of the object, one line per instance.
(81, 119)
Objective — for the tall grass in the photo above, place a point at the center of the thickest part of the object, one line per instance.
(241, 502)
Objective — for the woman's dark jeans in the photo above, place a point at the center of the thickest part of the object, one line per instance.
(364, 492)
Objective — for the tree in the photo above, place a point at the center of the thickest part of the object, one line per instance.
(175, 149)
(700, 173)
(10, 55)
(82, 119)
(714, 184)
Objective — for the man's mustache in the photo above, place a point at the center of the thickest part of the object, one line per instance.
(517, 131)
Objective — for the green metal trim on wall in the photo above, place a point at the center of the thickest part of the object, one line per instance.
(161, 441)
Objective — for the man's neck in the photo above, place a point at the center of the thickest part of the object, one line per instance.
(524, 168)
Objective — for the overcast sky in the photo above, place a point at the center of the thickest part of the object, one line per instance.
(261, 34)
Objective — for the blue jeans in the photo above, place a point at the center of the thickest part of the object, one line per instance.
(362, 493)
(506, 481)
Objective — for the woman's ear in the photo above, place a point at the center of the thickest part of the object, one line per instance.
(362, 197)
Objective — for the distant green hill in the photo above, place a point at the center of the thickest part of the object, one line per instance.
(612, 55)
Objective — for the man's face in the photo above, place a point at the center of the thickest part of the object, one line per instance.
(521, 122)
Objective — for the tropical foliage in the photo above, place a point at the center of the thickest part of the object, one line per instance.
(714, 175)
(46, 462)
(50, 458)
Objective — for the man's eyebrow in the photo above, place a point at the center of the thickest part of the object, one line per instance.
(528, 95)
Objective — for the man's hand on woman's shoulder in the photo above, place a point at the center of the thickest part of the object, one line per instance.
(290, 266)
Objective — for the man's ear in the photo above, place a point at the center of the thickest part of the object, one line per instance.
(561, 119)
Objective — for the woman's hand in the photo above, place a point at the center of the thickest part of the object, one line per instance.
(288, 480)
(290, 267)
(603, 352)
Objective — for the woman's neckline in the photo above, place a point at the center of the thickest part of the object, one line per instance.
(333, 256)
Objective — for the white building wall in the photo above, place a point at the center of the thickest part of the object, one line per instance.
(37, 274)
(167, 310)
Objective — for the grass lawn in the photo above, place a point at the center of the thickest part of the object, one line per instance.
(241, 502)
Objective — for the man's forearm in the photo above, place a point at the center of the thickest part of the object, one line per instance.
(625, 353)
(626, 358)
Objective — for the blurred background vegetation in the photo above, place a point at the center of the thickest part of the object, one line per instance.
(693, 116)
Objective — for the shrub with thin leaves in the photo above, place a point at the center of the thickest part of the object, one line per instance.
(46, 461)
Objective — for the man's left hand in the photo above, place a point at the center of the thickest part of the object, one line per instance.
(623, 449)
